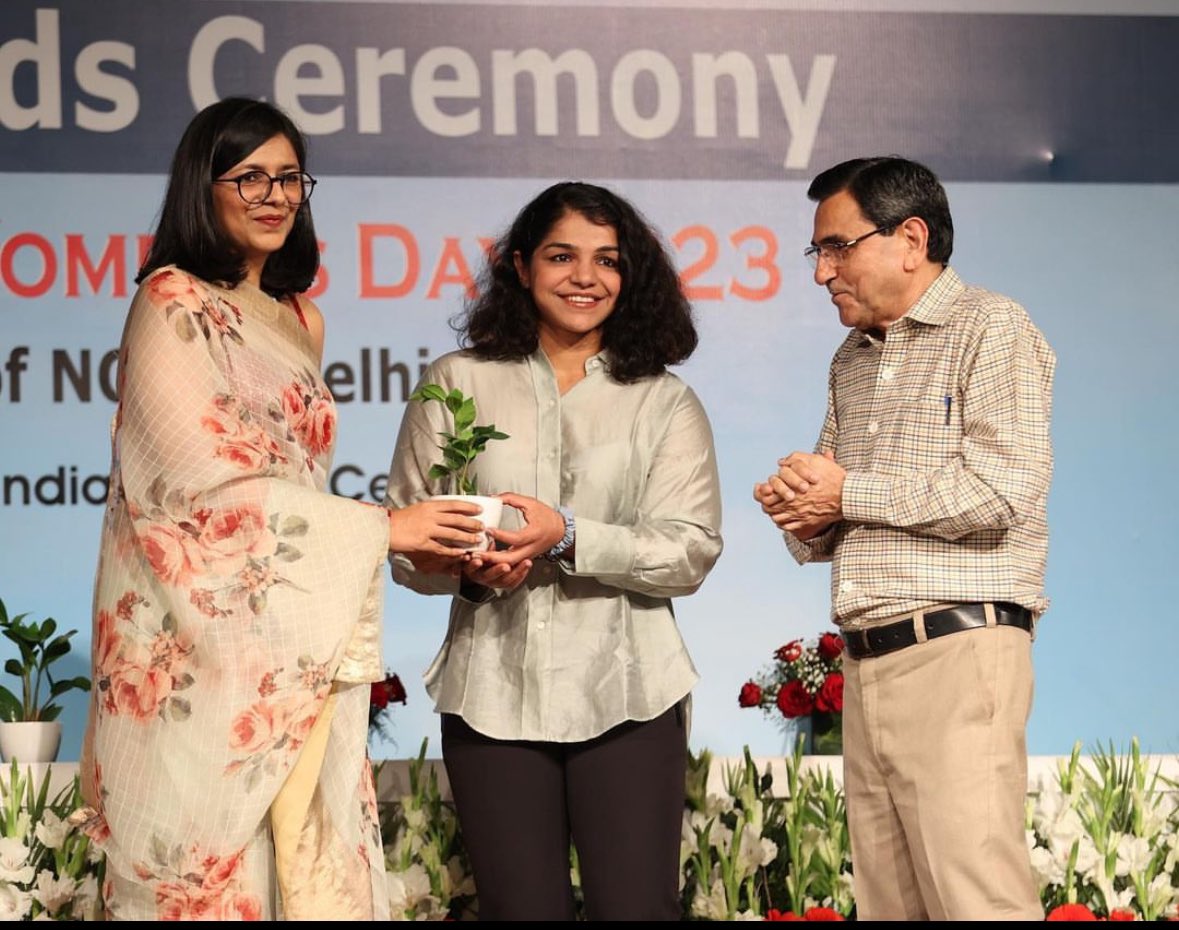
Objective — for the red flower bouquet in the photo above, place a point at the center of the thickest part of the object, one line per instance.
(805, 682)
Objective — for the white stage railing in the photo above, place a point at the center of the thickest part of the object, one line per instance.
(393, 774)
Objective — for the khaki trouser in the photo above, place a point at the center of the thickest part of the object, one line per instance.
(935, 775)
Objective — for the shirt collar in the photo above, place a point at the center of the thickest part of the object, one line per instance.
(935, 306)
(594, 362)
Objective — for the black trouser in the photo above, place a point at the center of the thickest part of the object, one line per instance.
(620, 796)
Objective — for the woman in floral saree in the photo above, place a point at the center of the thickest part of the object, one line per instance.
(237, 605)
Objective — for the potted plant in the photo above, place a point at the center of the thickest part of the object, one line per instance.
(460, 447)
(29, 728)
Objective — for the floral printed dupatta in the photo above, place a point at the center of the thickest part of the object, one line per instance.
(233, 596)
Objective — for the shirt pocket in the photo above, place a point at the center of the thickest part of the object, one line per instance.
(931, 435)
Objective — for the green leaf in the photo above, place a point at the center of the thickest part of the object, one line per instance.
(48, 712)
(439, 472)
(81, 683)
(14, 668)
(429, 392)
(464, 416)
(10, 707)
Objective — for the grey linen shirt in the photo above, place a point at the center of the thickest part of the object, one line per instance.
(943, 429)
(577, 648)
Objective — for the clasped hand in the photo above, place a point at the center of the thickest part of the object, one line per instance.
(506, 567)
(805, 496)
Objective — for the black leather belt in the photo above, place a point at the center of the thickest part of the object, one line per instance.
(881, 640)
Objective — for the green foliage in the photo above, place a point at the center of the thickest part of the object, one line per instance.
(461, 446)
(39, 648)
(748, 852)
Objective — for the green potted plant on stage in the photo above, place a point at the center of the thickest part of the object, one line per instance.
(29, 729)
(460, 447)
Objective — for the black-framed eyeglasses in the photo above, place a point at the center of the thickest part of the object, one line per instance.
(254, 187)
(836, 252)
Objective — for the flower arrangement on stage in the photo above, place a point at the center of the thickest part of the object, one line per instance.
(389, 690)
(805, 681)
(755, 853)
(48, 868)
(1104, 839)
(429, 877)
(1103, 835)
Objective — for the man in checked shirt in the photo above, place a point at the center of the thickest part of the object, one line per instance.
(927, 493)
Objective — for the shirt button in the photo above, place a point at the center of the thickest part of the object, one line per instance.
(540, 624)
(886, 374)
(873, 427)
(847, 586)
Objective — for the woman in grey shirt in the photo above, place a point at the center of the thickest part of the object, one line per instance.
(563, 681)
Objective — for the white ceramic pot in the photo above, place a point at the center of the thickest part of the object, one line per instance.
(493, 509)
(30, 741)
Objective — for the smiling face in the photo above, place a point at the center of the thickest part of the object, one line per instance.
(574, 279)
(258, 230)
(868, 283)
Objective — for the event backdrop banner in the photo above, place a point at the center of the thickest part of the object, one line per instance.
(431, 124)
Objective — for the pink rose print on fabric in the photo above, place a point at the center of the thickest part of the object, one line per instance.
(268, 734)
(212, 316)
(193, 885)
(310, 414)
(141, 663)
(239, 439)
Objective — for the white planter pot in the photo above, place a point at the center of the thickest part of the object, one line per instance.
(493, 509)
(30, 741)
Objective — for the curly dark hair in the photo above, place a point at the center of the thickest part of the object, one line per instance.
(889, 189)
(651, 325)
(188, 234)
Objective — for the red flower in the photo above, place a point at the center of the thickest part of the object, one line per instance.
(388, 691)
(750, 695)
(776, 914)
(830, 696)
(793, 700)
(1071, 912)
(821, 913)
(1122, 913)
(790, 652)
(830, 646)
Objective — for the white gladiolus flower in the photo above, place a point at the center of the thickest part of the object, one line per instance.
(1064, 829)
(1133, 855)
(1088, 858)
(721, 838)
(753, 852)
(14, 858)
(407, 890)
(1046, 867)
(86, 898)
(53, 893)
(14, 903)
(52, 830)
(1123, 898)
(1160, 893)
(713, 905)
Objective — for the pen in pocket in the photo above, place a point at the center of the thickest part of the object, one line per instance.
(949, 401)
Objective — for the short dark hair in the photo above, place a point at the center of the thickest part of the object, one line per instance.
(188, 234)
(890, 189)
(651, 326)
